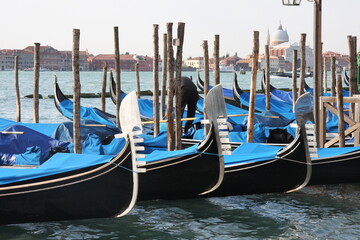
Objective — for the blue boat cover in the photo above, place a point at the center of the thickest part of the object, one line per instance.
(86, 113)
(331, 152)
(58, 163)
(251, 152)
(44, 128)
(285, 96)
(239, 134)
(228, 93)
(92, 145)
(230, 109)
(28, 148)
(64, 131)
(161, 154)
(260, 103)
(146, 108)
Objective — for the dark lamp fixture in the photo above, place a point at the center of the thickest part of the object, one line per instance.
(291, 2)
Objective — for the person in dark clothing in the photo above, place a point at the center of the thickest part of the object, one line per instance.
(189, 98)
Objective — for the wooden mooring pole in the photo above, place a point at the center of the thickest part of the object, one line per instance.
(137, 76)
(294, 77)
(103, 89)
(352, 71)
(340, 106)
(250, 124)
(267, 77)
(36, 82)
(17, 90)
(164, 77)
(170, 68)
(302, 63)
(217, 60)
(206, 79)
(179, 51)
(156, 78)
(333, 75)
(117, 69)
(76, 91)
(325, 85)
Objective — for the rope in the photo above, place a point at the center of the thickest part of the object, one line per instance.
(118, 165)
(292, 160)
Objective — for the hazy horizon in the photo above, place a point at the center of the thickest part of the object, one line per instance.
(23, 23)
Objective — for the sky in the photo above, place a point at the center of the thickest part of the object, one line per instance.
(51, 22)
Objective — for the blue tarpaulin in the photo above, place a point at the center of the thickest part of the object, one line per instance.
(15, 144)
(251, 152)
(58, 163)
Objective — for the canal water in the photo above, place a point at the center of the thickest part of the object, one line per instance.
(321, 212)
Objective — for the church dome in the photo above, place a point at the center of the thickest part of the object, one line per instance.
(279, 36)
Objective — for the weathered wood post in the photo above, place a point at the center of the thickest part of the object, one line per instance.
(36, 82)
(206, 68)
(325, 76)
(138, 90)
(170, 105)
(250, 124)
(111, 77)
(76, 91)
(164, 77)
(302, 63)
(17, 90)
(267, 77)
(352, 71)
(156, 78)
(356, 134)
(216, 60)
(206, 79)
(340, 106)
(179, 50)
(103, 89)
(294, 77)
(333, 75)
(117, 69)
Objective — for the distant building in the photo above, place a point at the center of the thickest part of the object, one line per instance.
(50, 59)
(197, 62)
(342, 60)
(7, 60)
(127, 62)
(280, 46)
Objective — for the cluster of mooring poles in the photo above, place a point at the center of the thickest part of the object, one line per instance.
(171, 86)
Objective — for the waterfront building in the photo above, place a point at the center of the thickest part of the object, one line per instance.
(7, 60)
(127, 62)
(281, 47)
(197, 62)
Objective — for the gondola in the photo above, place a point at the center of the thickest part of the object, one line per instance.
(145, 105)
(65, 107)
(266, 169)
(177, 174)
(260, 104)
(277, 94)
(228, 95)
(69, 186)
(311, 90)
(336, 165)
(346, 78)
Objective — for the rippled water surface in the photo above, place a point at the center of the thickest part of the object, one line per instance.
(324, 212)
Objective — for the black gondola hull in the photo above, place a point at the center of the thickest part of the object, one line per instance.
(183, 177)
(285, 173)
(104, 190)
(344, 168)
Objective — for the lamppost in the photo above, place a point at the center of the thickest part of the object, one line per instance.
(317, 59)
